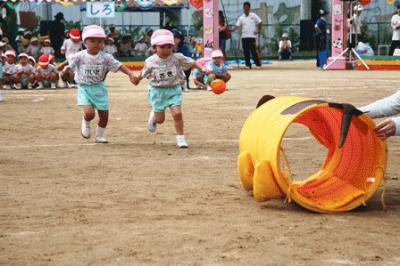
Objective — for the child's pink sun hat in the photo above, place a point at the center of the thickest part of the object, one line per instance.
(217, 53)
(10, 53)
(93, 31)
(161, 37)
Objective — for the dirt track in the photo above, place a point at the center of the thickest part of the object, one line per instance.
(140, 200)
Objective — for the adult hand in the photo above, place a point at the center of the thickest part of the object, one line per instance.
(385, 129)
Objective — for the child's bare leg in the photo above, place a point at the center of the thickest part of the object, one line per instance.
(103, 118)
(159, 117)
(177, 115)
(88, 113)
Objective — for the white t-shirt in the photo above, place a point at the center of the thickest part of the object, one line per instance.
(395, 22)
(27, 68)
(92, 69)
(249, 25)
(10, 69)
(70, 47)
(47, 50)
(355, 24)
(45, 72)
(285, 44)
(166, 73)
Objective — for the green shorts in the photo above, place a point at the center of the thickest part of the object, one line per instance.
(93, 95)
(162, 98)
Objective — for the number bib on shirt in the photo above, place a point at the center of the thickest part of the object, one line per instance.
(165, 73)
(92, 71)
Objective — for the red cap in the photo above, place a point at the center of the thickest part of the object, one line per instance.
(44, 60)
(75, 35)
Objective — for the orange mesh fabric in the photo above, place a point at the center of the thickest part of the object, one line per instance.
(346, 176)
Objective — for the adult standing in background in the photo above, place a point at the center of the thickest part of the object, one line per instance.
(56, 33)
(395, 24)
(251, 27)
(320, 34)
(222, 26)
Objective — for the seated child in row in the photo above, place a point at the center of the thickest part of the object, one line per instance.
(25, 76)
(216, 68)
(46, 75)
(9, 69)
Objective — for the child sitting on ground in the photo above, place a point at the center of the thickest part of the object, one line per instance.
(91, 67)
(216, 68)
(9, 70)
(25, 76)
(163, 70)
(46, 74)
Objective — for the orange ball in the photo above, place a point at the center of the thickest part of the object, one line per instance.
(218, 86)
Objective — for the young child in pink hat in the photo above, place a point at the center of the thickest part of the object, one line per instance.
(217, 69)
(91, 67)
(25, 76)
(10, 69)
(163, 70)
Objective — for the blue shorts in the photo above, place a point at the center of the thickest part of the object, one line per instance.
(162, 98)
(93, 95)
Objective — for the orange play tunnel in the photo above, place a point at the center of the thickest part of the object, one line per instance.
(353, 168)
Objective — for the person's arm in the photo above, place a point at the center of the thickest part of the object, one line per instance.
(61, 66)
(237, 25)
(201, 68)
(316, 27)
(126, 71)
(385, 107)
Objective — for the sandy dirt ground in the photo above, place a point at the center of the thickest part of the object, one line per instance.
(140, 200)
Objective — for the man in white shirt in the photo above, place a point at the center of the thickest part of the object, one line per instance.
(251, 27)
(395, 24)
(355, 26)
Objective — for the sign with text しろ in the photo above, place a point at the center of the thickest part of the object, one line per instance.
(100, 9)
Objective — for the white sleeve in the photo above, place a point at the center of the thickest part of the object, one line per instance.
(290, 44)
(280, 44)
(239, 22)
(258, 19)
(385, 107)
(63, 47)
(393, 23)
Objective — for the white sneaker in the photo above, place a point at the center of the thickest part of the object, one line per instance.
(101, 139)
(8, 87)
(72, 86)
(181, 142)
(151, 125)
(30, 86)
(18, 86)
(85, 129)
(1, 97)
(53, 86)
(40, 86)
(66, 84)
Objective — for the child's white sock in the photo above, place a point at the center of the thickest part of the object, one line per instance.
(100, 135)
(100, 131)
